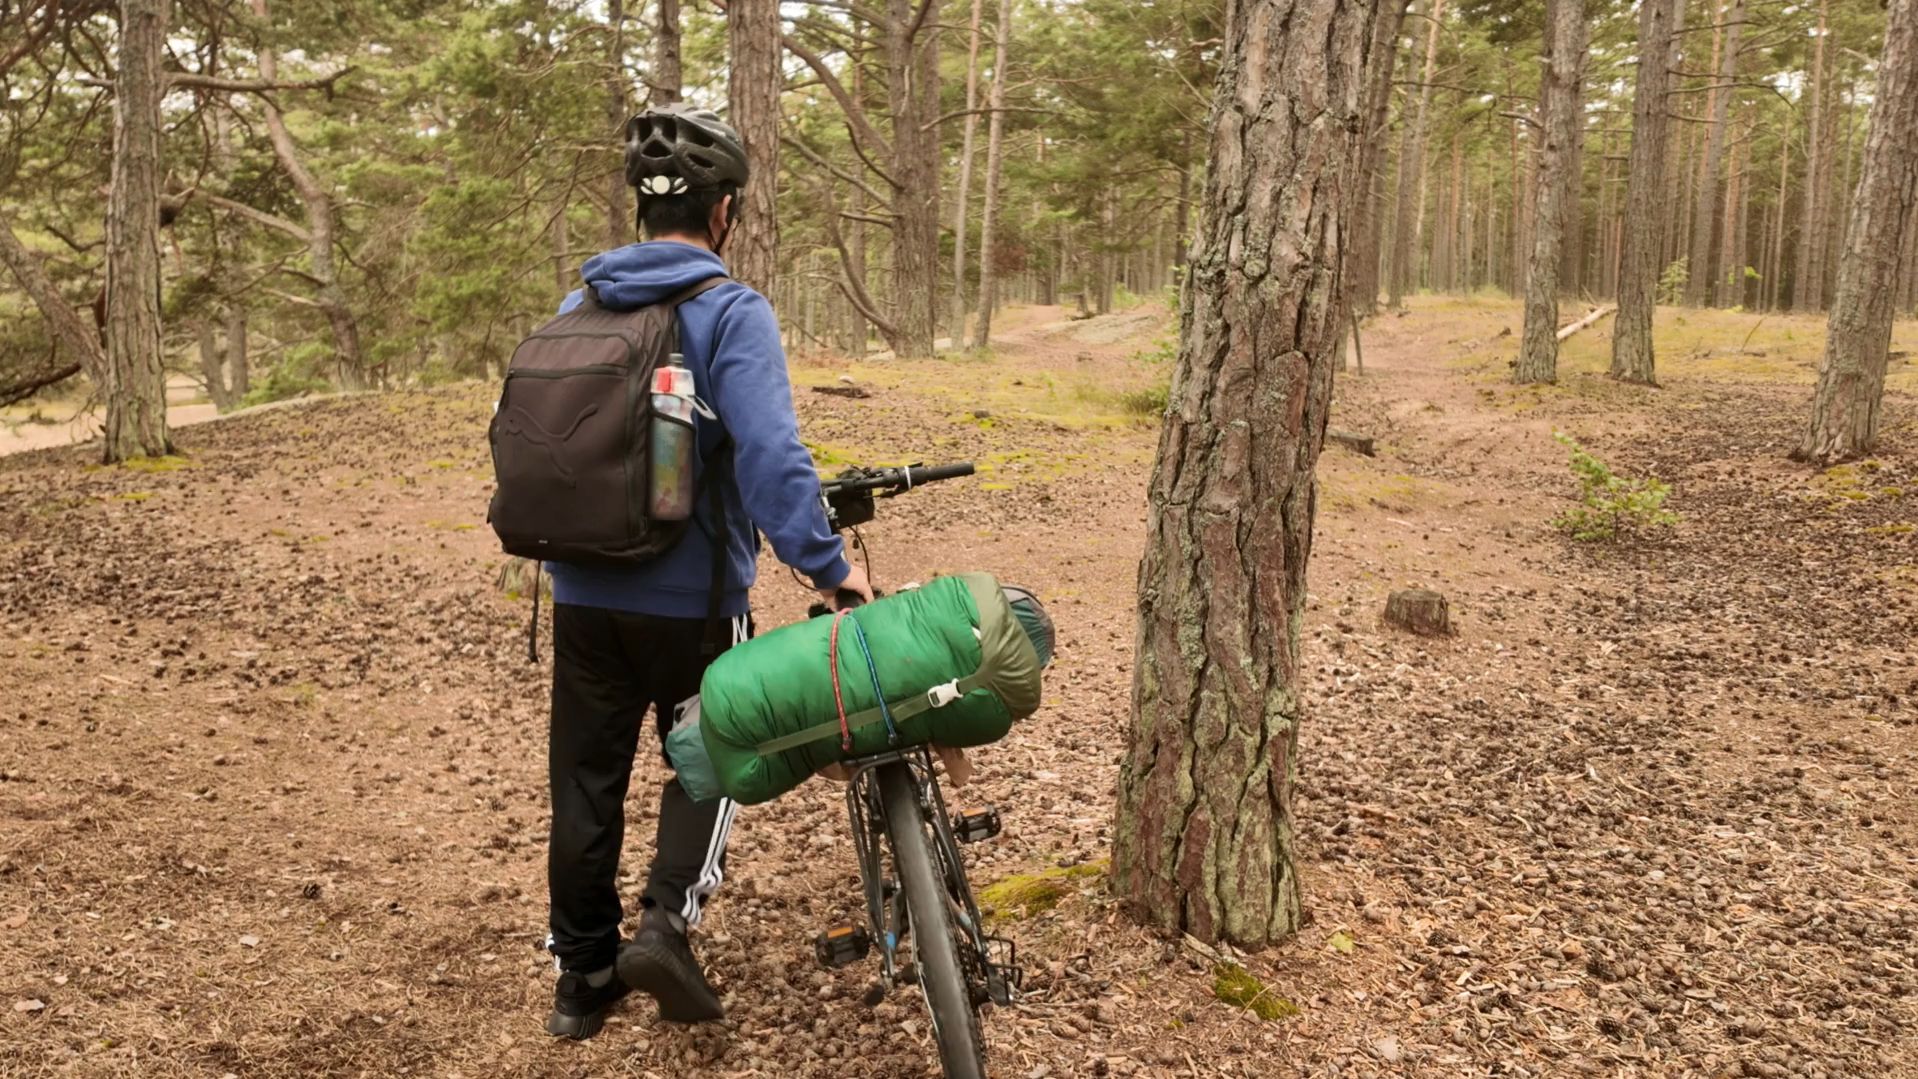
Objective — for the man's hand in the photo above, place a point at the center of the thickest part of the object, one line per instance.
(855, 582)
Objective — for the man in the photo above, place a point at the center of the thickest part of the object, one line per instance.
(627, 640)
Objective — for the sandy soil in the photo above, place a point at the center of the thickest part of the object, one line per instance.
(272, 766)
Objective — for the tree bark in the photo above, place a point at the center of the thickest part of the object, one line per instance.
(136, 376)
(1204, 836)
(621, 224)
(1774, 277)
(1728, 283)
(77, 342)
(213, 366)
(1659, 23)
(965, 180)
(1706, 216)
(995, 159)
(1808, 275)
(1560, 118)
(667, 78)
(239, 378)
(1412, 174)
(752, 42)
(320, 228)
(1851, 378)
(1571, 262)
(912, 67)
(1368, 210)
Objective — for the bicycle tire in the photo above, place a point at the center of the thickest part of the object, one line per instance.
(955, 1022)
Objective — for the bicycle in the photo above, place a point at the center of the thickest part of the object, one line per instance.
(896, 808)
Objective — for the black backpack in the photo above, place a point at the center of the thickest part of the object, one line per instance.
(570, 437)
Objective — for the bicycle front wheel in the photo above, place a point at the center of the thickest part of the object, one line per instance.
(955, 1022)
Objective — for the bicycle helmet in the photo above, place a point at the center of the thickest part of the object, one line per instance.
(673, 149)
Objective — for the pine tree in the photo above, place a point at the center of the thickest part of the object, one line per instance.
(1203, 842)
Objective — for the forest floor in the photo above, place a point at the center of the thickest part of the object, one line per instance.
(272, 787)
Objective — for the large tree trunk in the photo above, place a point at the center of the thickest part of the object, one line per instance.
(213, 366)
(1368, 209)
(1659, 22)
(1560, 118)
(1571, 261)
(320, 229)
(1729, 282)
(239, 379)
(620, 222)
(667, 79)
(1851, 379)
(1774, 277)
(1808, 274)
(136, 377)
(1411, 186)
(752, 41)
(78, 342)
(965, 180)
(1204, 836)
(995, 157)
(912, 67)
(1698, 287)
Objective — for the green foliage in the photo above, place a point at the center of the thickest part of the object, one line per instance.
(296, 375)
(1150, 401)
(1611, 506)
(1671, 283)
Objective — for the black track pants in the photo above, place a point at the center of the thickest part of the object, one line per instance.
(610, 668)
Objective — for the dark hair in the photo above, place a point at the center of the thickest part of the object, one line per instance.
(688, 213)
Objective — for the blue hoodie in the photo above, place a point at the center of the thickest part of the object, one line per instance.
(731, 342)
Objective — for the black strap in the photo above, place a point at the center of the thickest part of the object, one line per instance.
(532, 630)
(717, 472)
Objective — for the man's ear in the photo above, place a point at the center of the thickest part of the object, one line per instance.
(722, 214)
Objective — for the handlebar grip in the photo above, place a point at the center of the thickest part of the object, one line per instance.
(935, 473)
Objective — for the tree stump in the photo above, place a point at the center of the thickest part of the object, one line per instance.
(1419, 610)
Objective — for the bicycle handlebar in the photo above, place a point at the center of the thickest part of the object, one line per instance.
(849, 496)
(893, 481)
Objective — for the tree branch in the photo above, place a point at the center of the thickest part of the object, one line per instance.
(816, 158)
(272, 221)
(856, 121)
(191, 80)
(930, 124)
(882, 222)
(20, 391)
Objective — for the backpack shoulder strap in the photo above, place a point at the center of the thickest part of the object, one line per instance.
(691, 291)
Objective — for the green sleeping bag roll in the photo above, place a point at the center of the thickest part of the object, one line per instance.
(955, 663)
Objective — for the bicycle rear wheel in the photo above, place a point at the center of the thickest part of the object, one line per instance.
(955, 1022)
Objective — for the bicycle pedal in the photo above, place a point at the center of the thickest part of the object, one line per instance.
(842, 946)
(976, 825)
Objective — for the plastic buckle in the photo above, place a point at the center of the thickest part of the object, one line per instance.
(940, 696)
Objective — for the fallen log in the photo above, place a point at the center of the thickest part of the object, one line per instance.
(1361, 444)
(1596, 314)
(855, 392)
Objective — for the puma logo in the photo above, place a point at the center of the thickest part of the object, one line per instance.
(518, 421)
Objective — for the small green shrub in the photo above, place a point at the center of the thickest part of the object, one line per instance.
(1610, 505)
(296, 375)
(1671, 284)
(1150, 401)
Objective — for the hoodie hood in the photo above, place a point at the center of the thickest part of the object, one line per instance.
(644, 273)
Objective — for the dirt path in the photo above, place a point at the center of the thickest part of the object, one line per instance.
(272, 779)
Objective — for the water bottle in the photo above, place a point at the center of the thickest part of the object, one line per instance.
(672, 445)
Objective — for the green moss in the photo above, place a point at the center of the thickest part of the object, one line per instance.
(1026, 894)
(1897, 528)
(134, 496)
(149, 465)
(1237, 986)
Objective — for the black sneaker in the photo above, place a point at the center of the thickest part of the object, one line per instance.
(579, 1007)
(660, 963)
